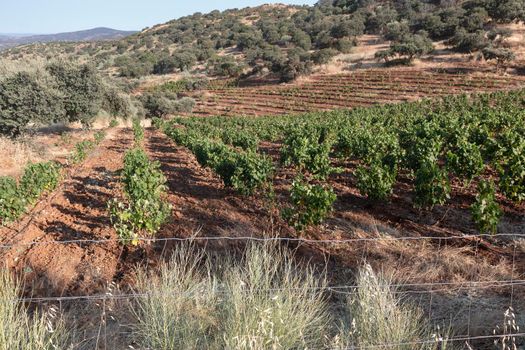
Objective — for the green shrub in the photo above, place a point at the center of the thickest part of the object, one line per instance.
(486, 212)
(144, 210)
(99, 136)
(38, 178)
(80, 152)
(432, 185)
(309, 150)
(12, 203)
(158, 123)
(324, 56)
(224, 66)
(512, 176)
(63, 92)
(465, 160)
(407, 48)
(82, 89)
(113, 123)
(500, 55)
(464, 41)
(26, 98)
(138, 131)
(376, 181)
(162, 103)
(184, 105)
(252, 171)
(183, 85)
(116, 103)
(240, 139)
(310, 204)
(243, 171)
(208, 153)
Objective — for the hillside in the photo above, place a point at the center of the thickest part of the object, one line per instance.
(95, 34)
(289, 41)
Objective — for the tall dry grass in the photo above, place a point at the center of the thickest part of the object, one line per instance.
(379, 318)
(268, 301)
(19, 330)
(264, 302)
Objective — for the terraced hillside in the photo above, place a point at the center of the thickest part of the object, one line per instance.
(348, 90)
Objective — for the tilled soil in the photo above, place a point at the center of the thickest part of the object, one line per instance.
(359, 88)
(76, 210)
(201, 204)
(203, 207)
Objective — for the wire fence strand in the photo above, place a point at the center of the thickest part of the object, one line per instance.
(264, 239)
(340, 289)
(438, 340)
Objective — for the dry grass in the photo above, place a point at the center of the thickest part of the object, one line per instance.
(15, 155)
(424, 263)
(267, 301)
(417, 261)
(379, 318)
(264, 302)
(53, 142)
(19, 330)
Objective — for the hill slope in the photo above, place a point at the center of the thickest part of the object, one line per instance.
(284, 42)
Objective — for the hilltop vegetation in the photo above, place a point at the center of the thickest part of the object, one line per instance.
(290, 40)
(394, 197)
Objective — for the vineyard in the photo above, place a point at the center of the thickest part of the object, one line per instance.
(348, 90)
(431, 193)
(344, 175)
(457, 147)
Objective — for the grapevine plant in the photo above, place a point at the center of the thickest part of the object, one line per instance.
(81, 151)
(244, 171)
(12, 204)
(486, 212)
(310, 204)
(144, 209)
(15, 198)
(36, 180)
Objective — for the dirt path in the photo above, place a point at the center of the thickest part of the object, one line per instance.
(201, 203)
(76, 210)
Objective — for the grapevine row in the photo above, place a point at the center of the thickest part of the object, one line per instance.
(143, 208)
(478, 139)
(16, 198)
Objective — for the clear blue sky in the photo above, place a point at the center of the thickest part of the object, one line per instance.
(53, 16)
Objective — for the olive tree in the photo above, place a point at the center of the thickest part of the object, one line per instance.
(27, 98)
(406, 49)
(500, 55)
(82, 90)
(224, 66)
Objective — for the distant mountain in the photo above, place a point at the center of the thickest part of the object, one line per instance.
(95, 34)
(16, 35)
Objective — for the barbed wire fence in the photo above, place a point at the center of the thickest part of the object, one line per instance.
(430, 288)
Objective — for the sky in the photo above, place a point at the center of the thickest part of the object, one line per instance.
(54, 16)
